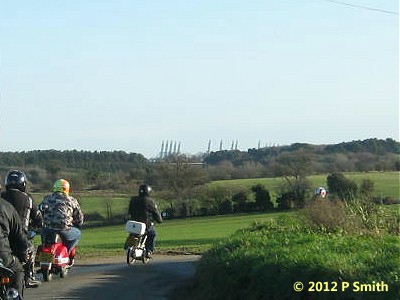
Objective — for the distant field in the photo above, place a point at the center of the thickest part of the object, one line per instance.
(385, 183)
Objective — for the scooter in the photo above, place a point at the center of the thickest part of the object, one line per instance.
(52, 257)
(7, 292)
(135, 244)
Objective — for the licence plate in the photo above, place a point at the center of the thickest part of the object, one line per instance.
(46, 257)
(132, 241)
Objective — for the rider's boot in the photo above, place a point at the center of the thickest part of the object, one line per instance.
(31, 282)
(149, 254)
(72, 257)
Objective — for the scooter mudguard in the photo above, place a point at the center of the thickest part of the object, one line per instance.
(61, 256)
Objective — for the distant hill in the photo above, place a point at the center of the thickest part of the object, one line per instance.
(118, 169)
(363, 155)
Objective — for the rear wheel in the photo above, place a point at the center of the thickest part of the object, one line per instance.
(47, 275)
(64, 272)
(130, 256)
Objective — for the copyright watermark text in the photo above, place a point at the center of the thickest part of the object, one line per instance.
(333, 286)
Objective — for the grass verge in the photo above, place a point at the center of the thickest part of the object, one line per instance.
(265, 260)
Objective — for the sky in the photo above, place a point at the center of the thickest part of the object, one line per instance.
(127, 75)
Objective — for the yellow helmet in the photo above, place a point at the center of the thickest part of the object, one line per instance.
(61, 186)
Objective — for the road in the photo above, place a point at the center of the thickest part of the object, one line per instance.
(113, 279)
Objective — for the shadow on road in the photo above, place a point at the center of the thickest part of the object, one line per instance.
(152, 281)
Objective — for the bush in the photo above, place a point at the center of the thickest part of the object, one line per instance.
(341, 186)
(327, 215)
(262, 197)
(357, 216)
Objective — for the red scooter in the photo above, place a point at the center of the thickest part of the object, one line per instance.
(53, 258)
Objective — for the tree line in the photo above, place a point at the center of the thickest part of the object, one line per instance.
(355, 156)
(121, 170)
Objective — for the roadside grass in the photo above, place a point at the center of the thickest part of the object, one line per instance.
(266, 259)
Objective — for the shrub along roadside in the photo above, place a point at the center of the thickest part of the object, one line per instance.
(264, 261)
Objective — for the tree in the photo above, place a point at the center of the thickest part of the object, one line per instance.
(366, 187)
(286, 200)
(53, 167)
(181, 177)
(240, 202)
(342, 187)
(262, 197)
(294, 168)
(295, 165)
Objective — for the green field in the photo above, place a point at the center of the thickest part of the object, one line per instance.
(385, 183)
(194, 235)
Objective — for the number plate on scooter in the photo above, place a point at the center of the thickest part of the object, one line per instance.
(46, 257)
(132, 241)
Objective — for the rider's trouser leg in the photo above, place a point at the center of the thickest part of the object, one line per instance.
(29, 266)
(151, 236)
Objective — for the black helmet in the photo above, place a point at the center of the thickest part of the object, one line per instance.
(15, 180)
(144, 190)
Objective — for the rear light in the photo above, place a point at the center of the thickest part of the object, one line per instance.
(5, 280)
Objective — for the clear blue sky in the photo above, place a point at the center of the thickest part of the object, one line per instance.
(126, 74)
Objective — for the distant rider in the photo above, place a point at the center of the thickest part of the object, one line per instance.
(62, 214)
(13, 242)
(16, 194)
(143, 209)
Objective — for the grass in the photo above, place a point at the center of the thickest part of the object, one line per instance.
(195, 235)
(265, 260)
(385, 183)
(199, 234)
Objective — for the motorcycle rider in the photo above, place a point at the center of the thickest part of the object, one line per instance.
(143, 209)
(13, 241)
(15, 184)
(62, 214)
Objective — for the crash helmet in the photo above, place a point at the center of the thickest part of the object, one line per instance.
(321, 192)
(61, 186)
(15, 180)
(144, 190)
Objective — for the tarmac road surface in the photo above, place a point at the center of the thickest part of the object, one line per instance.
(114, 279)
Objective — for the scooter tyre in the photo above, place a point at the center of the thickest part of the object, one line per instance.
(130, 256)
(47, 275)
(64, 272)
(145, 258)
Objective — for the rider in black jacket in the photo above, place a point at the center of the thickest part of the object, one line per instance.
(15, 193)
(13, 242)
(143, 209)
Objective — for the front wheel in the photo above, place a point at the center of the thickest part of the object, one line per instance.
(130, 256)
(145, 257)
